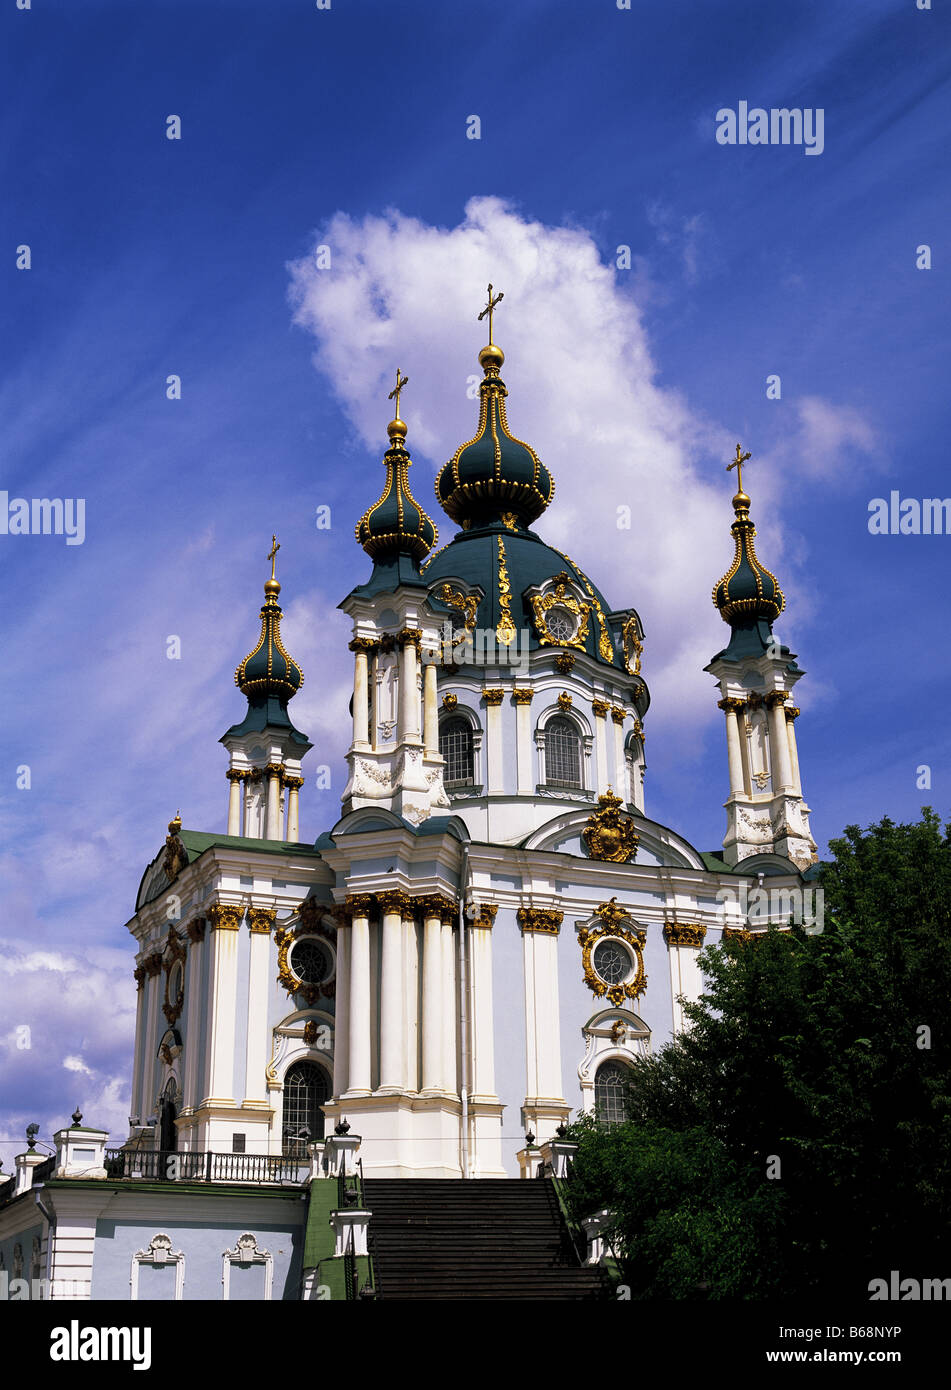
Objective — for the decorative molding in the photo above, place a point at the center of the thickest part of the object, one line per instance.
(684, 933)
(485, 916)
(409, 634)
(196, 929)
(633, 646)
(138, 975)
(564, 701)
(224, 917)
(614, 923)
(274, 769)
(153, 964)
(246, 1252)
(455, 598)
(359, 904)
(609, 835)
(293, 784)
(600, 708)
(236, 774)
(363, 644)
(435, 905)
(522, 695)
(618, 714)
(493, 695)
(564, 661)
(158, 1252)
(545, 921)
(175, 947)
(731, 705)
(393, 901)
(261, 920)
(792, 712)
(558, 597)
(775, 697)
(505, 632)
(309, 924)
(449, 702)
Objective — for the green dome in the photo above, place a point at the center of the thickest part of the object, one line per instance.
(494, 474)
(396, 522)
(268, 672)
(507, 562)
(748, 591)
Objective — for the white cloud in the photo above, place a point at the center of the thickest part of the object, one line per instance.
(76, 1064)
(583, 391)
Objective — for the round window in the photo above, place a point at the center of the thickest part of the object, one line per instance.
(310, 961)
(612, 962)
(561, 624)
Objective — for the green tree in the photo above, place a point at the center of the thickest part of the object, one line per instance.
(797, 1137)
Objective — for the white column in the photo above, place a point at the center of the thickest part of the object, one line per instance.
(235, 776)
(430, 710)
(449, 1068)
(600, 710)
(542, 1010)
(523, 741)
(273, 827)
(224, 923)
(432, 986)
(410, 997)
(392, 1044)
(732, 709)
(152, 1009)
(139, 1049)
(791, 715)
(493, 739)
(359, 647)
(620, 771)
(360, 999)
(408, 693)
(342, 1007)
(257, 1053)
(193, 1011)
(779, 743)
(482, 1022)
(293, 785)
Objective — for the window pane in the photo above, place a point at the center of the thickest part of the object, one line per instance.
(455, 745)
(610, 1085)
(562, 754)
(306, 1087)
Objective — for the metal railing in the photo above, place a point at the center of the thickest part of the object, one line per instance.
(159, 1165)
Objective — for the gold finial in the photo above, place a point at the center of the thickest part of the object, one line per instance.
(401, 381)
(490, 307)
(271, 586)
(741, 500)
(738, 463)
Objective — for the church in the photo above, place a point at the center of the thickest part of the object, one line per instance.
(478, 949)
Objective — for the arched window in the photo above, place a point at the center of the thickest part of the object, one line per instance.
(455, 745)
(610, 1092)
(562, 754)
(306, 1088)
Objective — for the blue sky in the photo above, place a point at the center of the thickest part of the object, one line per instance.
(347, 127)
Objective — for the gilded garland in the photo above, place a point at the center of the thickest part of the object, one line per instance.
(616, 925)
(559, 597)
(309, 924)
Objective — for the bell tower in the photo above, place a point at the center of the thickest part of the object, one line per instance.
(766, 810)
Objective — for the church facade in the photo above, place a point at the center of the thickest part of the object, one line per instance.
(493, 930)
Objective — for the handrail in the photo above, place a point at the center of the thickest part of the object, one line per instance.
(190, 1165)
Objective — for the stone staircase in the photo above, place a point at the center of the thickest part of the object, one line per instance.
(496, 1238)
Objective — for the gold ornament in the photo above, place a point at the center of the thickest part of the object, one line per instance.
(600, 708)
(633, 646)
(564, 661)
(608, 835)
(522, 695)
(684, 933)
(485, 916)
(455, 598)
(614, 924)
(505, 631)
(558, 597)
(450, 701)
(224, 917)
(493, 695)
(545, 921)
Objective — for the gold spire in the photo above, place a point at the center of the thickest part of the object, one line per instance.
(491, 357)
(396, 429)
(741, 501)
(271, 586)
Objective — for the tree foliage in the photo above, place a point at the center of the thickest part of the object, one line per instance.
(796, 1138)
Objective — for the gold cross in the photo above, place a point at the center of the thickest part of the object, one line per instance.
(490, 307)
(272, 553)
(738, 463)
(400, 383)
